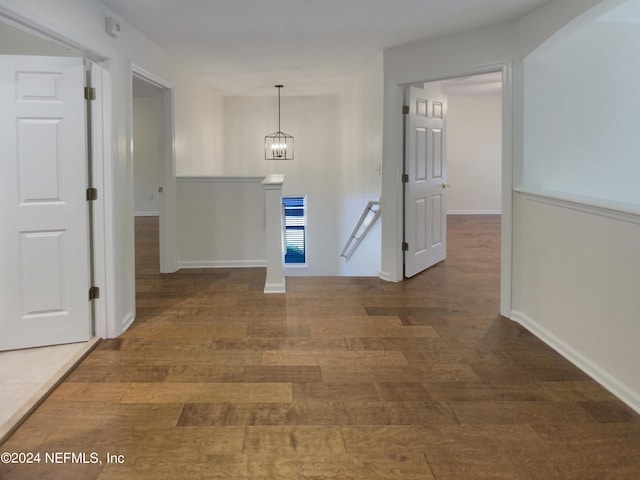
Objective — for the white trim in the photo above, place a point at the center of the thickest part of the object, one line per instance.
(295, 266)
(624, 212)
(148, 77)
(507, 180)
(273, 181)
(275, 287)
(386, 276)
(604, 378)
(35, 23)
(220, 179)
(222, 264)
(394, 205)
(146, 214)
(474, 212)
(105, 324)
(127, 321)
(168, 198)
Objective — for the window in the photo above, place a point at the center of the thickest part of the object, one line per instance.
(295, 225)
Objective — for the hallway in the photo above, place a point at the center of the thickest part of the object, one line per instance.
(339, 378)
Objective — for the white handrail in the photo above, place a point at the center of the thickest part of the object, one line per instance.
(366, 221)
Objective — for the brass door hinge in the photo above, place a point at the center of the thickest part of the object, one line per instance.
(405, 178)
(94, 293)
(405, 247)
(405, 109)
(89, 93)
(92, 194)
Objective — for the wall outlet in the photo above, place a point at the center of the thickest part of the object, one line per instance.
(150, 196)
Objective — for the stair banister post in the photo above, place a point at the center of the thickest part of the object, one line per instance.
(275, 282)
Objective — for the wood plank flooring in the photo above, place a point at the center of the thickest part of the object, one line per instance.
(340, 378)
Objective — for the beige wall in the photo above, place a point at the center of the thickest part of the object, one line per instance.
(146, 154)
(474, 154)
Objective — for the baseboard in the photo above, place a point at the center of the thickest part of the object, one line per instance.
(222, 264)
(386, 277)
(147, 214)
(127, 322)
(474, 212)
(275, 287)
(608, 381)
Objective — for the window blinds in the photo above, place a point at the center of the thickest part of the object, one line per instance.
(295, 223)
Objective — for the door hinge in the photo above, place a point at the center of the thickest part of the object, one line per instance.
(405, 178)
(94, 293)
(92, 194)
(89, 93)
(405, 109)
(405, 247)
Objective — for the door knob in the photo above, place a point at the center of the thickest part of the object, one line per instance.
(445, 185)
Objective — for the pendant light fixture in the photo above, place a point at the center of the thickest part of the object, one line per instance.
(278, 145)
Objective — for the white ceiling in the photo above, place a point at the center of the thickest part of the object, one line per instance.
(245, 47)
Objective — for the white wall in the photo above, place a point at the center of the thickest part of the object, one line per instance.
(336, 165)
(474, 154)
(577, 283)
(146, 154)
(83, 22)
(581, 117)
(314, 172)
(360, 168)
(221, 222)
(14, 41)
(576, 266)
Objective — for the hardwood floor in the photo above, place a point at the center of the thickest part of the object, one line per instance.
(340, 378)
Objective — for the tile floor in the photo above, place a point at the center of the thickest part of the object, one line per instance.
(26, 375)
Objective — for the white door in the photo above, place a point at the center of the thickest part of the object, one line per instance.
(425, 216)
(44, 243)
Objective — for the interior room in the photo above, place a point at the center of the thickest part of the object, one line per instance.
(513, 190)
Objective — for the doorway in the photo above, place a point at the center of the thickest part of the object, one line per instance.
(153, 166)
(147, 168)
(468, 168)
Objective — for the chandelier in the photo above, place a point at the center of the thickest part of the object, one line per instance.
(278, 145)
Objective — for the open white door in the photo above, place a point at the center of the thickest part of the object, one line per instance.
(425, 214)
(44, 234)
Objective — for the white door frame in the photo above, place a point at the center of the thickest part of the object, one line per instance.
(32, 22)
(392, 254)
(168, 222)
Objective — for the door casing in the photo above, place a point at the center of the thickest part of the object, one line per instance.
(392, 191)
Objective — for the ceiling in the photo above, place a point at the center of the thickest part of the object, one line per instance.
(244, 47)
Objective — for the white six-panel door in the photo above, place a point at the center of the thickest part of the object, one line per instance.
(44, 245)
(425, 188)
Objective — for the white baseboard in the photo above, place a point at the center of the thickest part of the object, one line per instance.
(604, 378)
(474, 212)
(387, 277)
(128, 321)
(275, 287)
(222, 264)
(147, 214)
